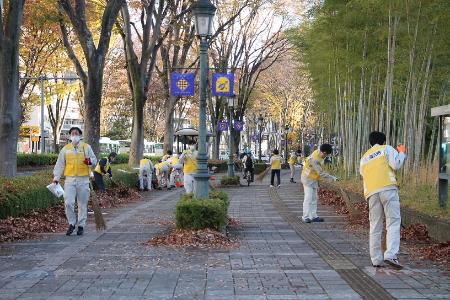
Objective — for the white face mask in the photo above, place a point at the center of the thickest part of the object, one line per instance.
(75, 139)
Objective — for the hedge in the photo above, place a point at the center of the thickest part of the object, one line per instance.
(21, 195)
(49, 159)
(123, 158)
(36, 159)
(230, 180)
(194, 213)
(125, 175)
(222, 165)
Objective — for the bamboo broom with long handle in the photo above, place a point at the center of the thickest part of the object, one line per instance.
(263, 174)
(98, 216)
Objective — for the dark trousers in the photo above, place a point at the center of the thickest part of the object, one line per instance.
(99, 183)
(272, 177)
(252, 173)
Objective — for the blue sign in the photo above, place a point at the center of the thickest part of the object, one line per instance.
(238, 125)
(182, 84)
(223, 84)
(222, 125)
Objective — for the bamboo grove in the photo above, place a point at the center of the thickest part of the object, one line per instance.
(378, 65)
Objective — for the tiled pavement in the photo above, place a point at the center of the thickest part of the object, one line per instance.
(275, 259)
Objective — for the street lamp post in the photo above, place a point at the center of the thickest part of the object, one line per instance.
(203, 12)
(41, 79)
(231, 106)
(260, 125)
(286, 131)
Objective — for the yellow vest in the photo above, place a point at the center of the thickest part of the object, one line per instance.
(308, 171)
(292, 159)
(376, 171)
(107, 166)
(190, 163)
(161, 164)
(75, 165)
(276, 162)
(143, 162)
(173, 160)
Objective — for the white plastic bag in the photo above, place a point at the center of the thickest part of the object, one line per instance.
(56, 189)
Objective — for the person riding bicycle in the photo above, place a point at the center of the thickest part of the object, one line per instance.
(249, 166)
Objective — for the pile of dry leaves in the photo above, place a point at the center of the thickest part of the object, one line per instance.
(415, 237)
(331, 198)
(202, 239)
(52, 219)
(117, 196)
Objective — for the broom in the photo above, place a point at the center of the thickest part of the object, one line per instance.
(99, 221)
(263, 174)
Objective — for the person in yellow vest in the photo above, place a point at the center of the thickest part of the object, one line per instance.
(145, 174)
(275, 166)
(311, 173)
(377, 167)
(189, 159)
(293, 158)
(103, 167)
(162, 173)
(73, 162)
(175, 170)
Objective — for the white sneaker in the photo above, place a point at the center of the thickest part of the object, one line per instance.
(279, 186)
(271, 185)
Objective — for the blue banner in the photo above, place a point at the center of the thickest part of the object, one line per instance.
(182, 84)
(238, 125)
(222, 125)
(223, 84)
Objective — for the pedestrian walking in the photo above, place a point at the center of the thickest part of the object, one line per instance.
(103, 167)
(377, 167)
(275, 166)
(73, 162)
(311, 173)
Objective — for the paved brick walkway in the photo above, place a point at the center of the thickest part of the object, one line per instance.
(277, 258)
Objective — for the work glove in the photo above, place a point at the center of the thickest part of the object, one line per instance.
(87, 161)
(401, 148)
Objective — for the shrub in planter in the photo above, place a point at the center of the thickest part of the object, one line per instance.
(21, 195)
(192, 213)
(230, 180)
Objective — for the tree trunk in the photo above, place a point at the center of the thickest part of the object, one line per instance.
(168, 124)
(92, 104)
(10, 111)
(137, 137)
